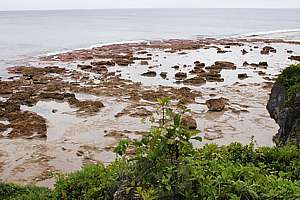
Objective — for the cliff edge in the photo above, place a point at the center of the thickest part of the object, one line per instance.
(284, 106)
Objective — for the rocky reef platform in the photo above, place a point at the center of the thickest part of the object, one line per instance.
(70, 109)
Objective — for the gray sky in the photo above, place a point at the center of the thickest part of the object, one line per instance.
(98, 4)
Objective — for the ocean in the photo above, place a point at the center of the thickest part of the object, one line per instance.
(27, 34)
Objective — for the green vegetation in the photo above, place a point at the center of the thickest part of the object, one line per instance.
(290, 79)
(167, 166)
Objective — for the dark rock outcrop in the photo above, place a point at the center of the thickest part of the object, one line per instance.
(286, 116)
(284, 106)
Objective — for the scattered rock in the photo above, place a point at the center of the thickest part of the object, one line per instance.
(189, 122)
(86, 107)
(3, 127)
(144, 62)
(142, 52)
(176, 67)
(104, 62)
(79, 153)
(35, 71)
(195, 81)
(224, 65)
(244, 52)
(116, 134)
(149, 74)
(215, 104)
(245, 64)
(163, 75)
(267, 50)
(263, 64)
(101, 69)
(54, 110)
(297, 58)
(242, 76)
(222, 51)
(85, 67)
(213, 76)
(180, 75)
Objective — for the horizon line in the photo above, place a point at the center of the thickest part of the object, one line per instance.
(70, 9)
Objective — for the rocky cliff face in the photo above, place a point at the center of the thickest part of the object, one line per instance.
(285, 110)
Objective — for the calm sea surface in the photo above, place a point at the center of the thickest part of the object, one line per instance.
(26, 34)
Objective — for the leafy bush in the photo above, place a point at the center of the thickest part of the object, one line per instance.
(290, 79)
(12, 191)
(166, 166)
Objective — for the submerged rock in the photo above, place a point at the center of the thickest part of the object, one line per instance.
(215, 104)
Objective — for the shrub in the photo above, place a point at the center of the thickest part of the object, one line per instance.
(166, 166)
(290, 79)
(12, 191)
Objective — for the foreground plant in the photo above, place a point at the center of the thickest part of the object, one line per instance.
(167, 166)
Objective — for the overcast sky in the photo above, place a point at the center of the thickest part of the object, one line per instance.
(98, 4)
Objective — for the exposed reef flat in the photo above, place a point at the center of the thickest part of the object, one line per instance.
(70, 109)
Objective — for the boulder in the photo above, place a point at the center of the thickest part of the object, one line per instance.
(215, 104)
(224, 65)
(189, 122)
